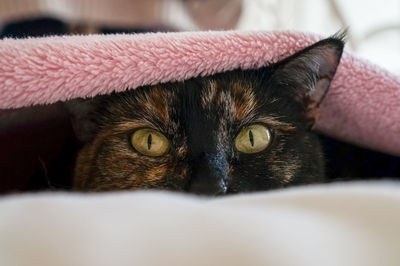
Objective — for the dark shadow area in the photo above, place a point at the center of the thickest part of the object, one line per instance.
(38, 27)
(345, 161)
(38, 148)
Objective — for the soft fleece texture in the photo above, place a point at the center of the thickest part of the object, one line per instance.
(342, 225)
(362, 106)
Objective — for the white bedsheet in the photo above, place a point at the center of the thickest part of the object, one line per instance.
(342, 224)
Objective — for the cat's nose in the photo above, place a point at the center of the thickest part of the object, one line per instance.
(209, 175)
(207, 186)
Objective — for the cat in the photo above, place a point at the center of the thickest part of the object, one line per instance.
(232, 132)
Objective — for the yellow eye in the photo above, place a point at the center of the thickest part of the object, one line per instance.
(253, 139)
(150, 142)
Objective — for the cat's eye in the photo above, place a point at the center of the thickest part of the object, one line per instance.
(150, 142)
(253, 139)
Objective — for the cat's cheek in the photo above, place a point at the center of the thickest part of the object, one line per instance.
(155, 173)
(271, 169)
(82, 169)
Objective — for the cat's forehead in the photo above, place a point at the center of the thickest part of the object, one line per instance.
(222, 95)
(234, 97)
(221, 101)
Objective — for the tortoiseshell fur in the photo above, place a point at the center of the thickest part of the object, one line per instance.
(201, 117)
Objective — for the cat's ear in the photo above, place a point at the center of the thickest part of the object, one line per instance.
(82, 122)
(309, 73)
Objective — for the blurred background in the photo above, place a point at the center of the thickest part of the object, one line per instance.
(37, 143)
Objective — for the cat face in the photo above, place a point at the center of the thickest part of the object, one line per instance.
(238, 131)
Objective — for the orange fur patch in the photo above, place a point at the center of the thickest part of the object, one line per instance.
(209, 93)
(243, 99)
(156, 173)
(156, 102)
(276, 123)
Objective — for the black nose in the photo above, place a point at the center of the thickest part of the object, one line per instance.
(209, 175)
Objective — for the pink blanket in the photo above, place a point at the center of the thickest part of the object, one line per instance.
(362, 106)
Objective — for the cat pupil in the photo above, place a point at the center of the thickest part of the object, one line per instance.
(251, 138)
(149, 139)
